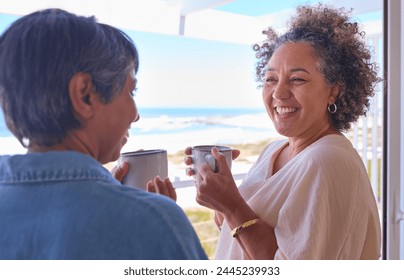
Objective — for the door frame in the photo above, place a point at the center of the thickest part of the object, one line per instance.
(393, 130)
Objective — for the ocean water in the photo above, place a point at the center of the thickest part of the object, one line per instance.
(178, 120)
(176, 128)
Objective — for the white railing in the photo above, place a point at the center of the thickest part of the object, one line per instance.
(367, 133)
(178, 184)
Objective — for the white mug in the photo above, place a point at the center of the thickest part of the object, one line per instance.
(144, 165)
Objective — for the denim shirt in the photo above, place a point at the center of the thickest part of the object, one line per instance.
(65, 205)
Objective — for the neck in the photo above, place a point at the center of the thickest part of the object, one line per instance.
(71, 143)
(298, 144)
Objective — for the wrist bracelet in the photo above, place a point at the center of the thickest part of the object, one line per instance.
(244, 225)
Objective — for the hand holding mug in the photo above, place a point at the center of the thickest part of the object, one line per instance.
(143, 166)
(189, 158)
(217, 190)
(120, 170)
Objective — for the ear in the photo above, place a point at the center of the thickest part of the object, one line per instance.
(335, 90)
(82, 97)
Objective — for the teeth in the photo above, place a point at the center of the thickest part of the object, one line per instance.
(285, 110)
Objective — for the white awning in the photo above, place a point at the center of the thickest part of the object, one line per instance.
(192, 18)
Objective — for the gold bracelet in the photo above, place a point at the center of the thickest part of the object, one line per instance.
(244, 225)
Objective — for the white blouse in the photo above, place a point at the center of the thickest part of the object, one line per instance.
(320, 204)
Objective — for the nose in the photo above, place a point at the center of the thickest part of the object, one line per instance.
(281, 92)
(137, 117)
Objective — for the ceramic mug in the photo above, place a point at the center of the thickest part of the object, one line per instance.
(144, 165)
(202, 154)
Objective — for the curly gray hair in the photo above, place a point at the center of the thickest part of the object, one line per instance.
(344, 57)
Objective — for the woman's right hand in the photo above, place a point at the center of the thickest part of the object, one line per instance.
(219, 219)
(217, 190)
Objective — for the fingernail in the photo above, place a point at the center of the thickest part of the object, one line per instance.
(189, 171)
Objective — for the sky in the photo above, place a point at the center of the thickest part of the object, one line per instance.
(186, 72)
(178, 71)
(189, 72)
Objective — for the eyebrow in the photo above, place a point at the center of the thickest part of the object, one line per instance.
(293, 70)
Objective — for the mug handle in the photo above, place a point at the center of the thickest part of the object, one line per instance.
(211, 161)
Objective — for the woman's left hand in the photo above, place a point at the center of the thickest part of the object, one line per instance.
(120, 170)
(164, 187)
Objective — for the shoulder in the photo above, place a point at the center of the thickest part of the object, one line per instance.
(153, 222)
(332, 160)
(331, 149)
(169, 224)
(141, 201)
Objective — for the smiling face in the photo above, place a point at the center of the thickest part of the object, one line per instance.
(114, 121)
(295, 92)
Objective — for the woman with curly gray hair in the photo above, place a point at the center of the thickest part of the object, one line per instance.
(308, 196)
